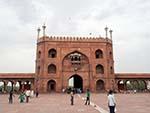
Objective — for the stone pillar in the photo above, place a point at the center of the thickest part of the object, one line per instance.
(32, 85)
(147, 84)
(20, 86)
(5, 84)
(125, 85)
(22, 83)
(12, 85)
(116, 85)
(27, 85)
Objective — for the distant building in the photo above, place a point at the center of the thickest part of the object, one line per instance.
(87, 61)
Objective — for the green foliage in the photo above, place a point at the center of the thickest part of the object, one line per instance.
(136, 85)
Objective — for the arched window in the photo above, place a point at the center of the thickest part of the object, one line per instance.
(98, 54)
(39, 54)
(75, 58)
(110, 53)
(52, 53)
(111, 70)
(99, 69)
(51, 68)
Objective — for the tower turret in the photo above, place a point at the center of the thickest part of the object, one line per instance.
(110, 31)
(106, 30)
(44, 27)
(38, 32)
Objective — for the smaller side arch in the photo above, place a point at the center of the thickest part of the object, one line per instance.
(51, 86)
(52, 53)
(100, 85)
(52, 68)
(121, 85)
(39, 54)
(98, 54)
(99, 69)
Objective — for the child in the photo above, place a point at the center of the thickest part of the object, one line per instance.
(72, 98)
(22, 97)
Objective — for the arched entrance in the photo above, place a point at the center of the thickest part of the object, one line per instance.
(51, 86)
(100, 86)
(121, 85)
(1, 86)
(76, 82)
(27, 85)
(142, 85)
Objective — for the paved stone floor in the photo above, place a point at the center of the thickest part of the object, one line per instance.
(126, 103)
(60, 103)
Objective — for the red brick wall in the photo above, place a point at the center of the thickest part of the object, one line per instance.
(65, 46)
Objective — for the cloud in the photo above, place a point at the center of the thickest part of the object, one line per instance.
(24, 9)
(128, 19)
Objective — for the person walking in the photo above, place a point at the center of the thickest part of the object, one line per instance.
(27, 96)
(87, 97)
(36, 93)
(111, 101)
(22, 97)
(11, 95)
(72, 98)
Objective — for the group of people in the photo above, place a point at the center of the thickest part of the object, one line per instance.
(87, 97)
(23, 95)
(111, 100)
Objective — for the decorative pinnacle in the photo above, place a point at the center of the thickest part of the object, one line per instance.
(106, 30)
(44, 27)
(110, 31)
(38, 32)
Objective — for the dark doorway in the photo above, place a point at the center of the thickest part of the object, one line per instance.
(100, 86)
(76, 82)
(51, 86)
(121, 86)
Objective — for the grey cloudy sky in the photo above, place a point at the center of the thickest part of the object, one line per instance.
(129, 19)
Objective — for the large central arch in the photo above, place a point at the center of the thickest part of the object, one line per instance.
(76, 65)
(76, 82)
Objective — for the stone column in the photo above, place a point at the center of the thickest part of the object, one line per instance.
(22, 83)
(31, 83)
(12, 85)
(5, 84)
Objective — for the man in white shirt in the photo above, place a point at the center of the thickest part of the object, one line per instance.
(27, 95)
(111, 102)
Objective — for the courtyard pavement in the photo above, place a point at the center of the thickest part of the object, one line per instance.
(60, 103)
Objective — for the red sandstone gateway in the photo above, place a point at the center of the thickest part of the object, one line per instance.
(74, 62)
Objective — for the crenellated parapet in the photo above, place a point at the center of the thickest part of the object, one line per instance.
(74, 39)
